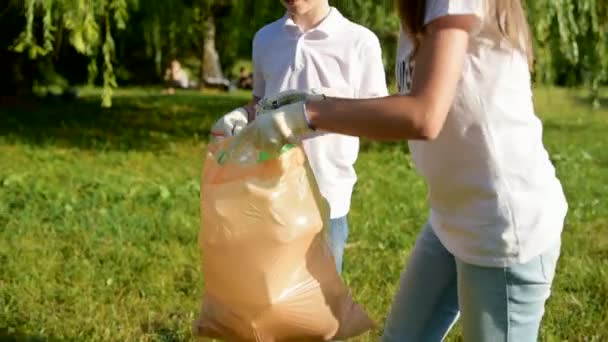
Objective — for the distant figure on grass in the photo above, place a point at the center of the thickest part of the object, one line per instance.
(177, 77)
(245, 79)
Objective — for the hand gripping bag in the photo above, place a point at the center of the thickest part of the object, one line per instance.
(269, 274)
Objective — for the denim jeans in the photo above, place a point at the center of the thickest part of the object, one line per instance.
(338, 232)
(494, 303)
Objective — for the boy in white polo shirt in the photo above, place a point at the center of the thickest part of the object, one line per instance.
(314, 47)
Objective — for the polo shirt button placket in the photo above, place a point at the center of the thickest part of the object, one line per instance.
(298, 63)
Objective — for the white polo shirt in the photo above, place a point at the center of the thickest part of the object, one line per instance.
(495, 199)
(337, 54)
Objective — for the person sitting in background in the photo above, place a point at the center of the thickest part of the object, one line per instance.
(245, 79)
(176, 77)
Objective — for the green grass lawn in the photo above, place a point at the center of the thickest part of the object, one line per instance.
(99, 217)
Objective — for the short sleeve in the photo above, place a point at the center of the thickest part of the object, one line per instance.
(441, 8)
(373, 80)
(259, 84)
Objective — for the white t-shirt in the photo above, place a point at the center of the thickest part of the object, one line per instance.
(337, 54)
(494, 196)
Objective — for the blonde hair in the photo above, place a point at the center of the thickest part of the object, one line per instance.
(510, 18)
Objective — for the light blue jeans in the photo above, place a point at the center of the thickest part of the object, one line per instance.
(494, 304)
(338, 233)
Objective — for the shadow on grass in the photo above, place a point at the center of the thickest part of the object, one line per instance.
(572, 127)
(142, 121)
(138, 120)
(160, 332)
(167, 335)
(587, 101)
(7, 335)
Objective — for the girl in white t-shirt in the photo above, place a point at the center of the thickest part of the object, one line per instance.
(490, 248)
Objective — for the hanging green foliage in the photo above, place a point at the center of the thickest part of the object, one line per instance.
(82, 20)
(571, 36)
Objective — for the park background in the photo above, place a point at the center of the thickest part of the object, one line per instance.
(99, 168)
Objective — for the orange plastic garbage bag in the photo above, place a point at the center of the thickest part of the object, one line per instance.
(268, 271)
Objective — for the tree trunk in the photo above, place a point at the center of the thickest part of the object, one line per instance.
(17, 74)
(17, 71)
(158, 48)
(210, 63)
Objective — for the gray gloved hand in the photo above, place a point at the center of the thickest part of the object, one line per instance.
(230, 124)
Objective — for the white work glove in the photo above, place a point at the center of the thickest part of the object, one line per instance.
(230, 124)
(281, 119)
(272, 129)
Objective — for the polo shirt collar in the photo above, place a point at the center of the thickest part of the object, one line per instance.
(327, 26)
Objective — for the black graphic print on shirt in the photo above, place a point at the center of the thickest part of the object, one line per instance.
(405, 75)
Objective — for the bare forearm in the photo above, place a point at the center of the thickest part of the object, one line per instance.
(250, 108)
(396, 117)
(420, 115)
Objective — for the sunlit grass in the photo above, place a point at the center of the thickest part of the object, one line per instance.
(99, 217)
